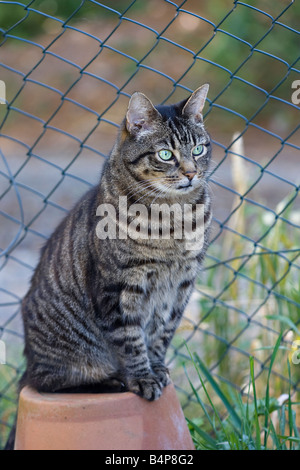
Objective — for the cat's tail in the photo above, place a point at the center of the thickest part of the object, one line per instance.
(10, 444)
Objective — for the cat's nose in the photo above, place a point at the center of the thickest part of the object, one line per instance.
(190, 174)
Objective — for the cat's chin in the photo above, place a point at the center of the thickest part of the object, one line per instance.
(184, 189)
(180, 190)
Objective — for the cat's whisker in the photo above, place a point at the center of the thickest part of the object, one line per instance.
(134, 191)
(155, 190)
(136, 183)
(138, 191)
(215, 179)
(143, 184)
(163, 191)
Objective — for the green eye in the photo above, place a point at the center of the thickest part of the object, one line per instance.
(198, 150)
(165, 154)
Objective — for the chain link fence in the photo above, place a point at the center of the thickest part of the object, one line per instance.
(67, 70)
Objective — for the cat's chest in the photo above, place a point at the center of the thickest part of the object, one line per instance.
(162, 287)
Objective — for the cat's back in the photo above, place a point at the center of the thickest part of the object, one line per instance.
(64, 258)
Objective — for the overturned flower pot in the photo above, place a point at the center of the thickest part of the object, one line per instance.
(121, 421)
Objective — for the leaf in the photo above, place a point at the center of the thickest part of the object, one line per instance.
(204, 435)
(257, 439)
(267, 400)
(234, 416)
(200, 402)
(286, 320)
(289, 438)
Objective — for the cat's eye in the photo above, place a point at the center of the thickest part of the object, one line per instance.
(199, 150)
(165, 154)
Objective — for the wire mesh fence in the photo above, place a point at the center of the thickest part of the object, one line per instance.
(69, 68)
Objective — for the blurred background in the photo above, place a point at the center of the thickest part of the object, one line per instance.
(70, 67)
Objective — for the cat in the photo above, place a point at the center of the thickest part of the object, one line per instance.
(101, 313)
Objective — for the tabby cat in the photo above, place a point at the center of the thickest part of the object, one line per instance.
(100, 314)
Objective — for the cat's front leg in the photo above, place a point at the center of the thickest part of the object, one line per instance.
(162, 373)
(147, 387)
(157, 349)
(159, 342)
(136, 372)
(157, 352)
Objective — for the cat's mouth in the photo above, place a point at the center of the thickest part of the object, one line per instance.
(188, 185)
(185, 186)
(181, 186)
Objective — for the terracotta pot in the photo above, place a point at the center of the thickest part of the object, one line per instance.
(120, 421)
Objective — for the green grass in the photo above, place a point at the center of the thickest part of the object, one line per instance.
(243, 421)
(8, 399)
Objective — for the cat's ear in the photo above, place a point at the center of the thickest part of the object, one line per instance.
(195, 104)
(142, 117)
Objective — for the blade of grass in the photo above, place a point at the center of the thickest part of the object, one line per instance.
(204, 435)
(282, 423)
(273, 434)
(285, 320)
(234, 416)
(216, 414)
(247, 417)
(289, 438)
(257, 427)
(267, 399)
(200, 402)
(290, 411)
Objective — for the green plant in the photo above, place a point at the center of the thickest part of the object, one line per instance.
(241, 422)
(8, 386)
(33, 21)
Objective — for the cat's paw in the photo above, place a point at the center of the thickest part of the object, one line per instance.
(147, 387)
(162, 374)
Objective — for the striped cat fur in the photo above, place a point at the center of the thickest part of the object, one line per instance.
(100, 314)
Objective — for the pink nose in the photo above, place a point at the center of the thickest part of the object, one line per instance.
(190, 174)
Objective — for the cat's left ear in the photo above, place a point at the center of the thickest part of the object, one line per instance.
(142, 117)
(195, 104)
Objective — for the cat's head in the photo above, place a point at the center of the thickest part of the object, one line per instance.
(166, 149)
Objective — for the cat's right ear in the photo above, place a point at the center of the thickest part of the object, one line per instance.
(142, 117)
(195, 104)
